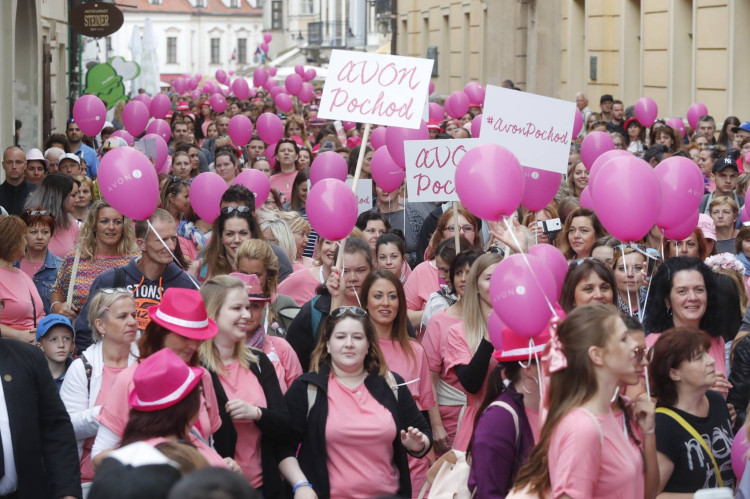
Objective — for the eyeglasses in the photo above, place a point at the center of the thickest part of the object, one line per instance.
(37, 212)
(356, 311)
(496, 250)
(464, 228)
(643, 353)
(231, 209)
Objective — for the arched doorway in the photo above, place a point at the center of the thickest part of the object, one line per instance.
(27, 73)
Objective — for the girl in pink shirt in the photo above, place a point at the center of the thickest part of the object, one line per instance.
(250, 399)
(286, 153)
(301, 285)
(386, 306)
(582, 451)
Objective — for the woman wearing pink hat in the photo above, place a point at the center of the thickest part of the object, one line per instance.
(508, 422)
(165, 401)
(179, 323)
(252, 407)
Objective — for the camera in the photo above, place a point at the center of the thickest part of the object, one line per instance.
(550, 227)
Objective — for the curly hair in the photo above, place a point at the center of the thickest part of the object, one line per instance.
(126, 244)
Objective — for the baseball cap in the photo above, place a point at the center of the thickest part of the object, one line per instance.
(744, 126)
(723, 163)
(605, 98)
(50, 321)
(183, 106)
(707, 226)
(69, 155)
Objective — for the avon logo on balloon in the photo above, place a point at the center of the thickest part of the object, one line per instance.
(123, 179)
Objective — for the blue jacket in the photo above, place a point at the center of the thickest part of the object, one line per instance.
(45, 277)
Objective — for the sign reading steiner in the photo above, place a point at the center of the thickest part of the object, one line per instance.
(537, 129)
(375, 88)
(431, 168)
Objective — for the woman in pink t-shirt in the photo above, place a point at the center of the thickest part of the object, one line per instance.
(383, 294)
(353, 421)
(58, 194)
(252, 408)
(286, 159)
(301, 285)
(582, 451)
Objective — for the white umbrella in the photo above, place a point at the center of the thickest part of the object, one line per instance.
(149, 78)
(136, 49)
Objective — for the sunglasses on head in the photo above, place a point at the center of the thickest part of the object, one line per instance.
(111, 291)
(497, 250)
(356, 311)
(231, 209)
(37, 212)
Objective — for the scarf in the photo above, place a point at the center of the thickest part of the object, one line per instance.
(745, 261)
(188, 230)
(258, 339)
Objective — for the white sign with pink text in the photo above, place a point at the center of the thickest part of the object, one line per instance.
(363, 194)
(375, 88)
(431, 168)
(537, 129)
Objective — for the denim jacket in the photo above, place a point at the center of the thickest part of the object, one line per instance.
(45, 277)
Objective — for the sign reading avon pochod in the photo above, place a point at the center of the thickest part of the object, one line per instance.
(95, 19)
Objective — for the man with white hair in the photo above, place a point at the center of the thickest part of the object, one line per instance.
(53, 155)
(582, 103)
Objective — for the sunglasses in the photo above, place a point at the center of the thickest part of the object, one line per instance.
(261, 158)
(231, 209)
(37, 212)
(356, 311)
(111, 291)
(643, 353)
(496, 250)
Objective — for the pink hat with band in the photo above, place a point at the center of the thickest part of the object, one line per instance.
(252, 286)
(517, 347)
(183, 312)
(707, 226)
(162, 380)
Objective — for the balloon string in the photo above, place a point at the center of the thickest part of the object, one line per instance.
(528, 264)
(642, 312)
(151, 227)
(648, 386)
(627, 291)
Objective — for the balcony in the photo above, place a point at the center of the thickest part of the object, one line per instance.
(329, 34)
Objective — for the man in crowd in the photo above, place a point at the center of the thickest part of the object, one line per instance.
(222, 127)
(725, 173)
(16, 188)
(582, 103)
(742, 131)
(615, 124)
(69, 164)
(707, 127)
(75, 140)
(605, 103)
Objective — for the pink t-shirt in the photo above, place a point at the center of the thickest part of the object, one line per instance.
(188, 248)
(241, 383)
(17, 290)
(64, 240)
(457, 353)
(300, 286)
(533, 417)
(285, 361)
(282, 182)
(359, 444)
(717, 351)
(109, 374)
(116, 410)
(422, 282)
(31, 268)
(418, 371)
(581, 467)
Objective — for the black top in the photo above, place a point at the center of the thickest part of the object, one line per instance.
(739, 376)
(310, 431)
(13, 197)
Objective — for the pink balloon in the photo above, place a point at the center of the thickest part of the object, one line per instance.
(436, 112)
(331, 209)
(231, 72)
(555, 262)
(240, 130)
(272, 70)
(198, 76)
(195, 95)
(396, 136)
(267, 37)
(128, 182)
(240, 88)
(627, 185)
(431, 88)
(740, 448)
(205, 195)
(646, 111)
(274, 91)
(162, 152)
(284, 102)
(192, 83)
(271, 155)
(299, 69)
(744, 215)
(585, 200)
(594, 145)
(577, 123)
(540, 188)
(695, 111)
(684, 229)
(310, 74)
(260, 75)
(294, 83)
(135, 117)
(377, 138)
(221, 76)
(490, 182)
(257, 182)
(89, 112)
(264, 47)
(601, 160)
(457, 104)
(678, 125)
(386, 173)
(179, 85)
(681, 183)
(124, 135)
(160, 106)
(307, 93)
(475, 92)
(218, 103)
(495, 327)
(328, 165)
(143, 98)
(161, 128)
(515, 286)
(476, 126)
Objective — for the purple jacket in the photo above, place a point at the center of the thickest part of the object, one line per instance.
(495, 456)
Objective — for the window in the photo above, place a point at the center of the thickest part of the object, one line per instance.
(234, 4)
(242, 50)
(200, 3)
(307, 6)
(214, 51)
(276, 14)
(171, 50)
(154, 2)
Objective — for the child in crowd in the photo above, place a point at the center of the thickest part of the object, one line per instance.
(54, 335)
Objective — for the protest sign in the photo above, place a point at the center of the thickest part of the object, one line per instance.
(363, 194)
(375, 88)
(538, 130)
(431, 168)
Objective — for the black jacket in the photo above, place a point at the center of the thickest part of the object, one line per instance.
(44, 445)
(739, 376)
(274, 423)
(13, 197)
(310, 431)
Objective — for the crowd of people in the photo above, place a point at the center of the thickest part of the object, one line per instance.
(248, 352)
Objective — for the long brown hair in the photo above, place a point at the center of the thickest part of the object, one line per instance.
(173, 420)
(374, 361)
(445, 220)
(562, 242)
(152, 340)
(586, 326)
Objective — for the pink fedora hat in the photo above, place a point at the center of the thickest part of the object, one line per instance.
(252, 285)
(182, 311)
(161, 380)
(516, 347)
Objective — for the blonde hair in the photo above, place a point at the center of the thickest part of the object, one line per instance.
(295, 221)
(281, 232)
(214, 292)
(99, 306)
(126, 245)
(255, 249)
(474, 322)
